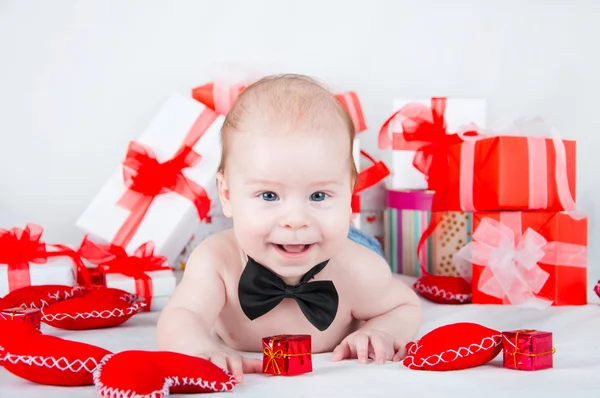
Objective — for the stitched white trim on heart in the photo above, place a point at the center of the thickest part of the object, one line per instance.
(105, 314)
(61, 363)
(487, 343)
(57, 296)
(437, 292)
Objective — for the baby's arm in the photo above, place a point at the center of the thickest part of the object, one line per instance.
(391, 311)
(185, 323)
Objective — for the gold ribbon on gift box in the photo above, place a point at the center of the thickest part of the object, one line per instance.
(275, 355)
(13, 311)
(517, 352)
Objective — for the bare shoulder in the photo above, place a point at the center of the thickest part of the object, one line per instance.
(204, 275)
(361, 264)
(214, 253)
(373, 285)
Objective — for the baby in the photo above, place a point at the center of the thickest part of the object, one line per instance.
(287, 266)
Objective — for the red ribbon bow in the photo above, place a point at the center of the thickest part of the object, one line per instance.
(368, 178)
(146, 178)
(20, 247)
(424, 131)
(112, 259)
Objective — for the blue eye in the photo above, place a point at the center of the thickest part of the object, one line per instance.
(269, 196)
(318, 196)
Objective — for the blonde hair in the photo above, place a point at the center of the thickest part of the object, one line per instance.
(293, 100)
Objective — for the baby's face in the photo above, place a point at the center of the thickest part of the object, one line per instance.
(289, 197)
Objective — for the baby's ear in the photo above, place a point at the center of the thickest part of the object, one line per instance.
(224, 194)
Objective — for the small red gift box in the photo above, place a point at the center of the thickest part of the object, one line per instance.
(537, 258)
(527, 350)
(32, 316)
(287, 354)
(96, 276)
(511, 173)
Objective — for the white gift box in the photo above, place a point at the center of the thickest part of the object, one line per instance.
(459, 112)
(56, 271)
(163, 285)
(171, 218)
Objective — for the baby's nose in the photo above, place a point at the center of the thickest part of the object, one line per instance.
(295, 220)
(295, 223)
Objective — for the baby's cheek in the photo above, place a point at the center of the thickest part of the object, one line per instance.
(253, 219)
(334, 223)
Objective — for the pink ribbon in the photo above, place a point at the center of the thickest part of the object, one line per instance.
(512, 272)
(537, 165)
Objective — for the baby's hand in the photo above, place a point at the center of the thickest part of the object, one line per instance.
(369, 343)
(234, 363)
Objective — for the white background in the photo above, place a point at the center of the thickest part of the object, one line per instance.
(79, 79)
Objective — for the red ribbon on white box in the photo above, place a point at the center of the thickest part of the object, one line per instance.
(511, 258)
(146, 178)
(21, 247)
(112, 259)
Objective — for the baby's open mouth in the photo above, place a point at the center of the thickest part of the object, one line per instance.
(293, 248)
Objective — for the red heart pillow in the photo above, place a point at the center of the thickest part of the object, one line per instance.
(111, 291)
(99, 308)
(156, 374)
(454, 347)
(597, 288)
(11, 332)
(444, 289)
(40, 296)
(45, 359)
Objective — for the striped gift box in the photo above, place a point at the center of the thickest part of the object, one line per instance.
(407, 216)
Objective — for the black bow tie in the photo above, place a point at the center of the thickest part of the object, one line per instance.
(260, 290)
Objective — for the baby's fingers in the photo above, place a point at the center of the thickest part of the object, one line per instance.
(361, 342)
(382, 351)
(400, 349)
(342, 351)
(234, 363)
(252, 365)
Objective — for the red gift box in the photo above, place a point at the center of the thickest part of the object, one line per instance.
(527, 350)
(96, 277)
(287, 354)
(537, 258)
(511, 173)
(32, 316)
(520, 166)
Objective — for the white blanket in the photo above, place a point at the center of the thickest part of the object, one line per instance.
(576, 372)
